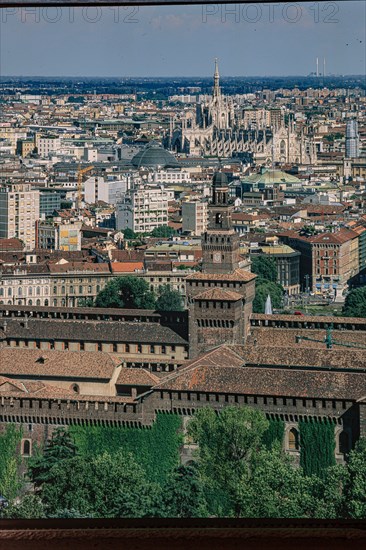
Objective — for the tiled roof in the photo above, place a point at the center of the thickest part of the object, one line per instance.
(237, 275)
(219, 294)
(92, 331)
(136, 377)
(224, 372)
(309, 318)
(61, 364)
(126, 267)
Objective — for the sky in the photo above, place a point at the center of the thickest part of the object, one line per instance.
(276, 39)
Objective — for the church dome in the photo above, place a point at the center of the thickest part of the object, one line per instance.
(220, 179)
(153, 156)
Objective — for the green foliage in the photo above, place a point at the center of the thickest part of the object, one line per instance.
(10, 482)
(226, 444)
(59, 448)
(183, 495)
(104, 486)
(156, 449)
(265, 267)
(30, 506)
(128, 234)
(355, 484)
(274, 488)
(169, 300)
(127, 292)
(263, 287)
(274, 433)
(163, 231)
(317, 446)
(355, 303)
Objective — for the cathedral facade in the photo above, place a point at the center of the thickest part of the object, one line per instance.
(215, 128)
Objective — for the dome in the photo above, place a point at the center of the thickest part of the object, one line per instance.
(153, 156)
(220, 179)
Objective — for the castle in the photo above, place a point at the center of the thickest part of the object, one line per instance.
(61, 366)
(215, 128)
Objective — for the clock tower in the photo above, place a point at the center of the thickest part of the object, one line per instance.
(220, 245)
(220, 297)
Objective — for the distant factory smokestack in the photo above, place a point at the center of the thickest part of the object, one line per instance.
(317, 66)
(324, 66)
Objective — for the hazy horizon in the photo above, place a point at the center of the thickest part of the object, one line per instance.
(260, 40)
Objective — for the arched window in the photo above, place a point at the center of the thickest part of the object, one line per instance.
(55, 302)
(293, 440)
(1, 292)
(46, 290)
(55, 289)
(30, 302)
(38, 303)
(283, 147)
(20, 291)
(9, 291)
(71, 290)
(218, 219)
(343, 443)
(38, 291)
(62, 290)
(26, 447)
(30, 291)
(46, 302)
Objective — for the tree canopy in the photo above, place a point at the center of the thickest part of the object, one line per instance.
(126, 292)
(265, 267)
(263, 288)
(355, 303)
(169, 300)
(163, 231)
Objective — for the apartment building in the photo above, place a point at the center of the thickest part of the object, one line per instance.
(47, 144)
(59, 236)
(143, 209)
(19, 212)
(194, 217)
(97, 189)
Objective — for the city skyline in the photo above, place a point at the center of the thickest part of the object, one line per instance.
(169, 41)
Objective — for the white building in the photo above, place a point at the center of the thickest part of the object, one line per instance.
(171, 176)
(97, 189)
(47, 144)
(143, 209)
(19, 212)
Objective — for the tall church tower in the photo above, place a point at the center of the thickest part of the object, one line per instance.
(220, 297)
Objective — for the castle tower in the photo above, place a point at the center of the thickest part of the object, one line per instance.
(220, 297)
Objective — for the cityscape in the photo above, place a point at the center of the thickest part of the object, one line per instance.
(183, 293)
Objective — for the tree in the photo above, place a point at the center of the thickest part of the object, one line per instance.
(169, 300)
(30, 506)
(163, 231)
(58, 449)
(104, 486)
(355, 484)
(226, 444)
(263, 288)
(355, 303)
(127, 292)
(183, 495)
(265, 267)
(128, 234)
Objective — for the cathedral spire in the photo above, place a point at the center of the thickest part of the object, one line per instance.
(216, 89)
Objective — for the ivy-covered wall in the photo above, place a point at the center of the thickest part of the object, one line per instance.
(317, 446)
(9, 461)
(156, 448)
(275, 432)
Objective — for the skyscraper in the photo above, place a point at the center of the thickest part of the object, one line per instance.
(352, 139)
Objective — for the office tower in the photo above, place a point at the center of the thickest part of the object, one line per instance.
(352, 140)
